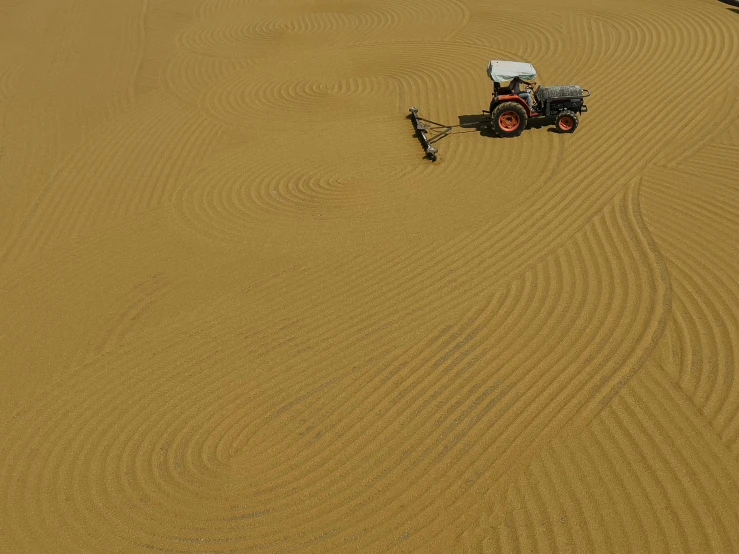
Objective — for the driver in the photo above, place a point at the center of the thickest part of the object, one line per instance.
(516, 89)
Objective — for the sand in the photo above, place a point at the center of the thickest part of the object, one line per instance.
(240, 312)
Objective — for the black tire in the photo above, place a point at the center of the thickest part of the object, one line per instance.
(567, 121)
(509, 119)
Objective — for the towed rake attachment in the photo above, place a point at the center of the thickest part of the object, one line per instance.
(430, 132)
(439, 131)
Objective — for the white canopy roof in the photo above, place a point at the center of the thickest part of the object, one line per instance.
(503, 71)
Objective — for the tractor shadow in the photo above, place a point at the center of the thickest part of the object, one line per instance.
(477, 122)
(733, 3)
(482, 125)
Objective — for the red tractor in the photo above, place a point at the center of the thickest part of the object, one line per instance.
(512, 107)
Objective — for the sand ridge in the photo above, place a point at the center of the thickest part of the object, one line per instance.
(241, 313)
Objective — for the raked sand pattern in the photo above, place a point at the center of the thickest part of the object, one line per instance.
(240, 313)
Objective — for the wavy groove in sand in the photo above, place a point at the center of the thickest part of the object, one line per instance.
(650, 485)
(702, 348)
(110, 180)
(233, 202)
(256, 31)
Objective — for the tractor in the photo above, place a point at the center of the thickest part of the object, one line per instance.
(512, 107)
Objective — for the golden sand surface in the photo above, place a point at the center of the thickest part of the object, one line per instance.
(239, 312)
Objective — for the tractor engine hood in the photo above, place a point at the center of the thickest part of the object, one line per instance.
(503, 71)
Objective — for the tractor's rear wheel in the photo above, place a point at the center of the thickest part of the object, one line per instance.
(509, 119)
(567, 122)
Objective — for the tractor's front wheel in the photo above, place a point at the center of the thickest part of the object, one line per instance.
(567, 122)
(509, 119)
